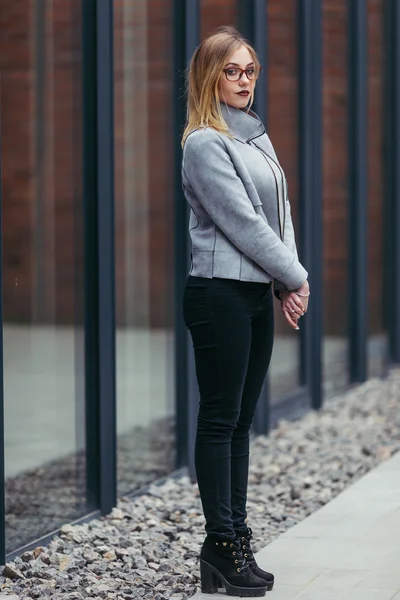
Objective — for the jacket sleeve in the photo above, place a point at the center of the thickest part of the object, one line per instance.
(290, 242)
(210, 172)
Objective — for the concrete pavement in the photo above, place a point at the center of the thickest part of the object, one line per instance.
(348, 550)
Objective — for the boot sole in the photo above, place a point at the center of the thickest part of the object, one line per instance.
(210, 577)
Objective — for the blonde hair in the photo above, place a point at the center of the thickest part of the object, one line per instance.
(203, 76)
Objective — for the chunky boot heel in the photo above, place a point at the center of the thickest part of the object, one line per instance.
(209, 581)
(222, 564)
(244, 540)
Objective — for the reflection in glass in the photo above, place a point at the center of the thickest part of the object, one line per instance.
(377, 343)
(282, 127)
(42, 267)
(213, 14)
(144, 240)
(336, 194)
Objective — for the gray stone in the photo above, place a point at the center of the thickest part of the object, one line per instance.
(12, 572)
(295, 493)
(27, 556)
(91, 556)
(39, 591)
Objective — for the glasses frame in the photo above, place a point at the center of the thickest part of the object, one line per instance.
(241, 73)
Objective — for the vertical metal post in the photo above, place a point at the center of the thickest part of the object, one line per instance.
(98, 86)
(2, 441)
(186, 38)
(192, 22)
(246, 18)
(310, 190)
(106, 256)
(261, 47)
(358, 204)
(180, 249)
(392, 177)
(90, 253)
(192, 27)
(253, 25)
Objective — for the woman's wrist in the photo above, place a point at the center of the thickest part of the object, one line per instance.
(303, 290)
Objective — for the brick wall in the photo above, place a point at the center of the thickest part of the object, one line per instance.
(42, 157)
(40, 60)
(335, 166)
(17, 156)
(213, 14)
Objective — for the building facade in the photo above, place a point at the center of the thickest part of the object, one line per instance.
(99, 391)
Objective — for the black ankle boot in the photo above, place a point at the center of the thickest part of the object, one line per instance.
(244, 539)
(222, 564)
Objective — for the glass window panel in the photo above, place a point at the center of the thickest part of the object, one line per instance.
(336, 194)
(282, 128)
(213, 14)
(144, 240)
(41, 116)
(377, 343)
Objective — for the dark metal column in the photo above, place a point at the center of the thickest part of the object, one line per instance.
(186, 38)
(98, 89)
(391, 291)
(180, 250)
(310, 190)
(106, 253)
(2, 465)
(253, 25)
(358, 204)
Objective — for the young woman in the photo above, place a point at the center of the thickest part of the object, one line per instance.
(242, 244)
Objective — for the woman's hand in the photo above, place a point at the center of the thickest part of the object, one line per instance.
(294, 306)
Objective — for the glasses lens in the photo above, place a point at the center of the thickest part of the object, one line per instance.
(251, 73)
(232, 74)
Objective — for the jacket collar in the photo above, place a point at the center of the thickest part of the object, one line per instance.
(243, 126)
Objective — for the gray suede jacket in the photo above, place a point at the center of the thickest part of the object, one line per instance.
(240, 224)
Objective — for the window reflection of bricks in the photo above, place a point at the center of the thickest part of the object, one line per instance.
(42, 178)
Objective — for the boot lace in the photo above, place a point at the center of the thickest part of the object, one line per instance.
(237, 554)
(248, 554)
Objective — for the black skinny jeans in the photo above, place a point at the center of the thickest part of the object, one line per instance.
(232, 328)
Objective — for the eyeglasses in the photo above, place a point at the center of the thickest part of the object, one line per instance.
(235, 74)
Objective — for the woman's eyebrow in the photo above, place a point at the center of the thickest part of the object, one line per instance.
(236, 65)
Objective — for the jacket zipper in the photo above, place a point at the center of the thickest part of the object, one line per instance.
(265, 155)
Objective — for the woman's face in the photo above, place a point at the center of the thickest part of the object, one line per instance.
(237, 93)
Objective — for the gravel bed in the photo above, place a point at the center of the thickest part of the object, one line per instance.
(148, 546)
(42, 499)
